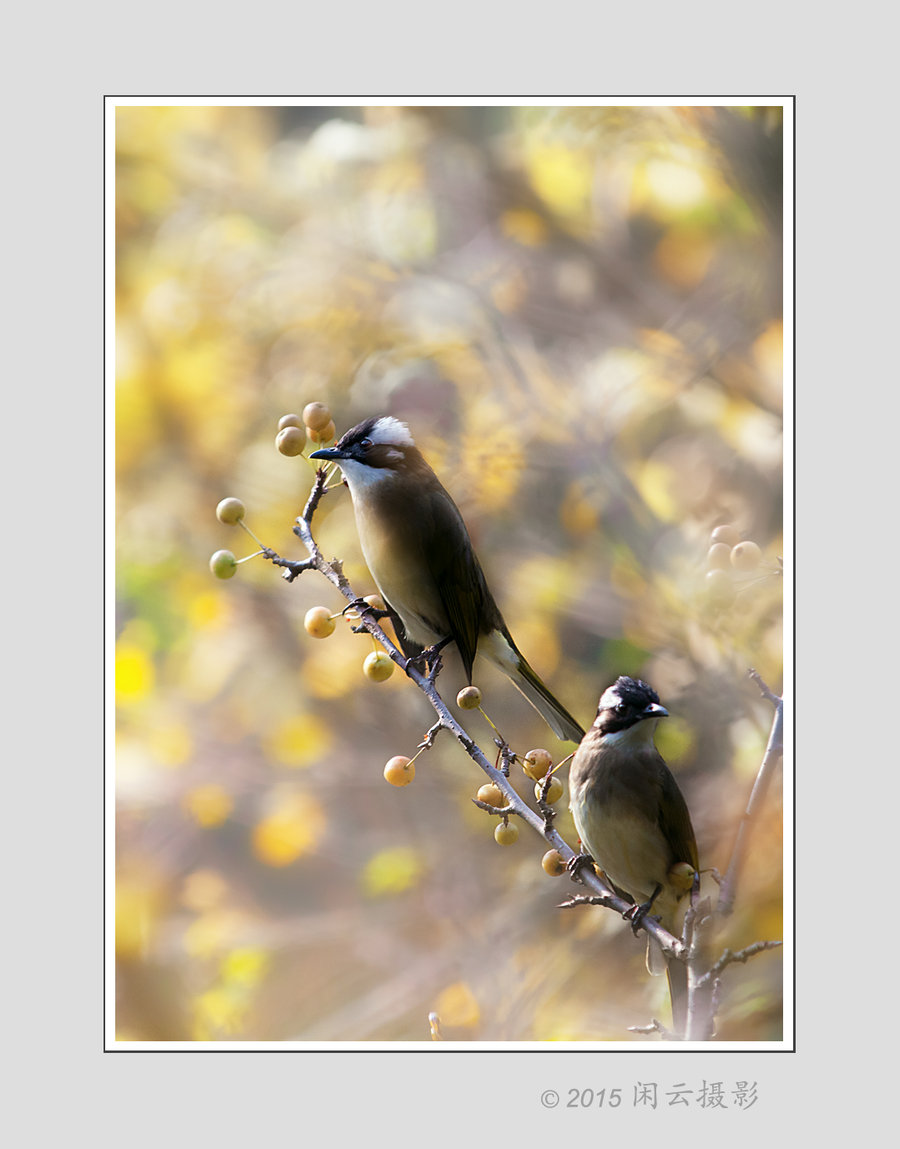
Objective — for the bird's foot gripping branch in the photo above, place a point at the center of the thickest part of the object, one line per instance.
(620, 738)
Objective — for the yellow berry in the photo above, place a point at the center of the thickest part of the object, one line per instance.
(506, 833)
(746, 556)
(469, 698)
(718, 586)
(718, 557)
(318, 622)
(553, 863)
(290, 441)
(725, 534)
(537, 763)
(223, 564)
(375, 601)
(230, 511)
(491, 794)
(682, 875)
(289, 421)
(316, 416)
(400, 770)
(324, 434)
(554, 790)
(378, 666)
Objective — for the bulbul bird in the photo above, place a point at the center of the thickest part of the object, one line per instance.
(418, 550)
(633, 820)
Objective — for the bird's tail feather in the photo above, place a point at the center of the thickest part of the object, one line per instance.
(502, 651)
(676, 975)
(550, 709)
(676, 972)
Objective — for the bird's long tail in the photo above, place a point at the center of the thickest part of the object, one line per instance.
(676, 973)
(502, 652)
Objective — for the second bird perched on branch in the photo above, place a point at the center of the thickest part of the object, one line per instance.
(418, 550)
(632, 819)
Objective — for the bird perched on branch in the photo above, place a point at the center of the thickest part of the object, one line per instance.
(633, 820)
(418, 550)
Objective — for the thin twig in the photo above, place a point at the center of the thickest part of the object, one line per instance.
(729, 957)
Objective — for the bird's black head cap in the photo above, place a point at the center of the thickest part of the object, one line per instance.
(627, 701)
(378, 442)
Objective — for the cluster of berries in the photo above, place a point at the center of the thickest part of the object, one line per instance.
(292, 439)
(729, 557)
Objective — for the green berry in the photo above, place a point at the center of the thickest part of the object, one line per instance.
(378, 666)
(506, 833)
(230, 511)
(469, 698)
(554, 790)
(223, 564)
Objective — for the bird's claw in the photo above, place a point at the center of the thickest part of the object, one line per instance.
(428, 660)
(362, 607)
(636, 914)
(578, 863)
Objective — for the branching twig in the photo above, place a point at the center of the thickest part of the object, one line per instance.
(728, 957)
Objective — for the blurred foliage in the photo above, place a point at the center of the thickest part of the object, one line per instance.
(578, 311)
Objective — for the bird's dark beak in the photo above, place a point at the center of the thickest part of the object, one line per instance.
(654, 710)
(328, 453)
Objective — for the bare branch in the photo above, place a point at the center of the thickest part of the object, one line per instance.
(493, 809)
(699, 1024)
(728, 958)
(771, 758)
(586, 900)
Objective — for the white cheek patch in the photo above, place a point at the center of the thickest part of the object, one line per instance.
(633, 737)
(362, 478)
(389, 430)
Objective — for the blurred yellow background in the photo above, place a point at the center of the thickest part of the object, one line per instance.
(578, 312)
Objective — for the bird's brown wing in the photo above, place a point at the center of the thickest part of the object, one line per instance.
(674, 819)
(460, 580)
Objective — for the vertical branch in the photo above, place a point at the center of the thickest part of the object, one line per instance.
(700, 1022)
(771, 758)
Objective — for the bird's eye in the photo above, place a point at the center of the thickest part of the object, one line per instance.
(366, 444)
(620, 709)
